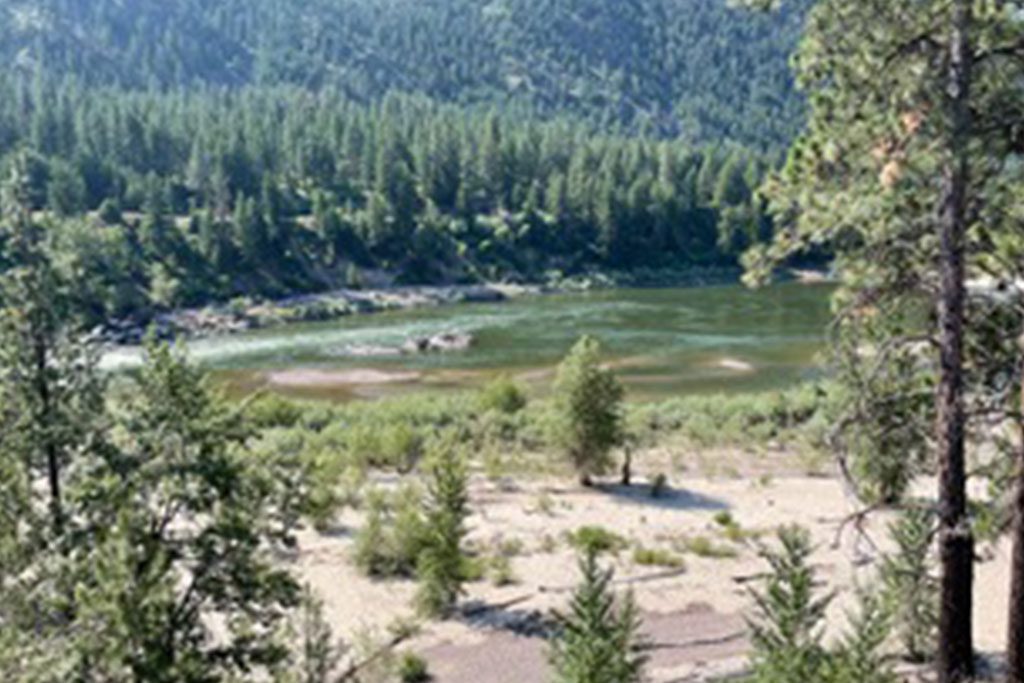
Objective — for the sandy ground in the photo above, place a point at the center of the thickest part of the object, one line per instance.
(694, 618)
(330, 378)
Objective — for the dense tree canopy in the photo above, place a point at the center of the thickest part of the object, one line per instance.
(171, 199)
(695, 67)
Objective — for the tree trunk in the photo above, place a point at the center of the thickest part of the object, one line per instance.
(50, 447)
(627, 467)
(1015, 633)
(956, 543)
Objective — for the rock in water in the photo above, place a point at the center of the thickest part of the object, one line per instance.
(439, 343)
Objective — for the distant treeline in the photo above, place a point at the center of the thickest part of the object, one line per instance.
(170, 199)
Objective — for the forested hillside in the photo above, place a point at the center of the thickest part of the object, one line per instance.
(164, 200)
(190, 151)
(695, 68)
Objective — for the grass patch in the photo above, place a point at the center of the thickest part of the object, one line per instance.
(704, 547)
(597, 539)
(653, 557)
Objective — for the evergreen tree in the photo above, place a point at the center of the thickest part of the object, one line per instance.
(913, 106)
(588, 419)
(788, 626)
(50, 391)
(598, 641)
(441, 565)
(910, 586)
(183, 525)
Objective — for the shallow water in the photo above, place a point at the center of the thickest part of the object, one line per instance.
(662, 342)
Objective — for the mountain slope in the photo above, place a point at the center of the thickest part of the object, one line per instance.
(690, 67)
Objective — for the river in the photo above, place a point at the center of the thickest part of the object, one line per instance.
(662, 342)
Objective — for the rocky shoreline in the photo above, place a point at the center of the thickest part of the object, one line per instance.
(243, 315)
(246, 314)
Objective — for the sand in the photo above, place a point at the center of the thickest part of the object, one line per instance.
(331, 378)
(694, 619)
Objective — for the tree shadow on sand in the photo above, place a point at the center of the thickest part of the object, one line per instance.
(667, 498)
(527, 623)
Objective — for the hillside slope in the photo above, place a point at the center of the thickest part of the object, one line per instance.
(695, 68)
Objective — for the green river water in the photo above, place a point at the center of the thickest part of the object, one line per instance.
(662, 342)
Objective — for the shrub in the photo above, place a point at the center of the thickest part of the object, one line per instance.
(400, 447)
(413, 669)
(501, 572)
(702, 546)
(502, 395)
(657, 558)
(393, 535)
(659, 486)
(596, 539)
(271, 411)
(731, 529)
(110, 212)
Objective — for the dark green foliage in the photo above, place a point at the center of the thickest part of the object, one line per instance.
(910, 583)
(859, 657)
(50, 390)
(413, 669)
(440, 566)
(393, 536)
(182, 479)
(788, 626)
(598, 639)
(587, 421)
(272, 191)
(596, 540)
(707, 71)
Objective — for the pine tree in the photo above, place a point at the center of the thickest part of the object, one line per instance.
(598, 640)
(587, 422)
(788, 625)
(913, 104)
(911, 589)
(182, 526)
(441, 565)
(860, 655)
(50, 389)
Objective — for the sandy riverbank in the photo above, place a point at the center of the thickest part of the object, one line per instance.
(694, 617)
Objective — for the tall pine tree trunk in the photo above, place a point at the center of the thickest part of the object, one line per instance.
(1015, 634)
(956, 543)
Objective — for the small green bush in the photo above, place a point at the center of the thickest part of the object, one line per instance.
(393, 536)
(413, 669)
(702, 546)
(401, 446)
(270, 411)
(502, 395)
(500, 571)
(596, 539)
(651, 557)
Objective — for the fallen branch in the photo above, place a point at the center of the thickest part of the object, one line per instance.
(356, 667)
(646, 578)
(703, 642)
